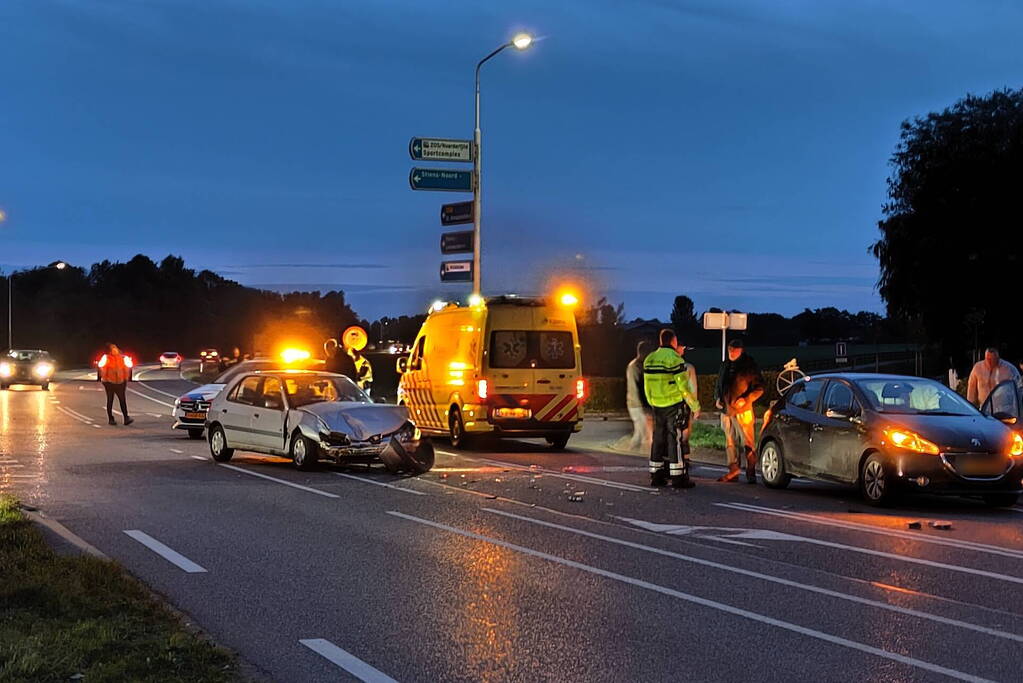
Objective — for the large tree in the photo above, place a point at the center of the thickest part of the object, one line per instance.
(950, 237)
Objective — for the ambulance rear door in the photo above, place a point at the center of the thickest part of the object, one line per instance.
(555, 364)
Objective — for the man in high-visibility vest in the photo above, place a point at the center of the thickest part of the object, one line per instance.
(668, 391)
(114, 372)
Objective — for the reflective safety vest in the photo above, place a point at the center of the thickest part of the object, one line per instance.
(363, 372)
(666, 379)
(115, 368)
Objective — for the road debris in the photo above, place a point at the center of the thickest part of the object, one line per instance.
(943, 526)
(914, 525)
(535, 468)
(577, 497)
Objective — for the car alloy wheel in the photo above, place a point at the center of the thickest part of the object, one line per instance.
(299, 452)
(217, 442)
(772, 466)
(219, 449)
(304, 452)
(875, 481)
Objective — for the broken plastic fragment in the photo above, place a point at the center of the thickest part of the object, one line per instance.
(914, 525)
(944, 526)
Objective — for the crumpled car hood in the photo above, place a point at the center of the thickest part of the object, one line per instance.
(359, 421)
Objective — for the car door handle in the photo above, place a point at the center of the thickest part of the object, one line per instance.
(543, 381)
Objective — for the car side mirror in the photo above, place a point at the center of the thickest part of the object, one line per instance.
(273, 402)
(401, 365)
(1007, 418)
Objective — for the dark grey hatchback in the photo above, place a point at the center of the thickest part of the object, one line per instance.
(886, 434)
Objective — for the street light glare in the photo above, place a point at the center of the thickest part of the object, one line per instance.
(60, 265)
(522, 41)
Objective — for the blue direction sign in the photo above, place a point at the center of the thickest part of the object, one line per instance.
(456, 214)
(440, 149)
(440, 179)
(456, 271)
(456, 242)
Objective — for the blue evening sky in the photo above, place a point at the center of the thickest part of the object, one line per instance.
(732, 150)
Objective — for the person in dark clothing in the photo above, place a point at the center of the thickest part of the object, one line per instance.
(338, 360)
(739, 386)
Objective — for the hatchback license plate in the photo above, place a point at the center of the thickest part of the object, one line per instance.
(980, 467)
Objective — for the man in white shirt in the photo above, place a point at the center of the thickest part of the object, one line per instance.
(987, 374)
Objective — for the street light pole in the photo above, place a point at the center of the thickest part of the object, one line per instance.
(520, 42)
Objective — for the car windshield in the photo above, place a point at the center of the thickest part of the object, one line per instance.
(230, 373)
(28, 355)
(305, 389)
(913, 396)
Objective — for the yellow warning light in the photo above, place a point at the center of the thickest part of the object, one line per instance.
(568, 299)
(294, 355)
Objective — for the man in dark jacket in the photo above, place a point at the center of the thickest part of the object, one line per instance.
(739, 386)
(338, 360)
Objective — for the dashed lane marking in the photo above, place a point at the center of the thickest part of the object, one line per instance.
(553, 473)
(73, 416)
(765, 577)
(347, 661)
(688, 597)
(175, 450)
(150, 398)
(169, 554)
(365, 480)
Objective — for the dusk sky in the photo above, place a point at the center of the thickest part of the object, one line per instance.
(732, 150)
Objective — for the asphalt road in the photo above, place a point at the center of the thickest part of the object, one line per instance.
(486, 569)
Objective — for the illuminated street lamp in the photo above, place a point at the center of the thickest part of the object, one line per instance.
(59, 265)
(520, 41)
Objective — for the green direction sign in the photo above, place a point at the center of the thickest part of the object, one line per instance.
(440, 149)
(440, 179)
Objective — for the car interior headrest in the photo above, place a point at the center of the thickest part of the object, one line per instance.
(896, 390)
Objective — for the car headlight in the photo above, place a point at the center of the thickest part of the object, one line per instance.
(43, 369)
(177, 403)
(409, 432)
(1016, 447)
(911, 441)
(6, 370)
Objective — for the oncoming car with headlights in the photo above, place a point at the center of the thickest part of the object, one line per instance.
(308, 415)
(26, 366)
(886, 434)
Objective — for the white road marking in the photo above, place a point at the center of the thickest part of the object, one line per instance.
(150, 398)
(54, 401)
(73, 416)
(346, 660)
(172, 556)
(688, 597)
(553, 473)
(857, 526)
(154, 415)
(97, 426)
(175, 450)
(78, 414)
(198, 457)
(165, 393)
(365, 480)
(279, 481)
(764, 577)
(22, 476)
(6, 465)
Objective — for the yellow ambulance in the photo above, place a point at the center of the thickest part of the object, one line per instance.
(507, 366)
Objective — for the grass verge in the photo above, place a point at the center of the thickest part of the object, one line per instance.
(707, 436)
(62, 616)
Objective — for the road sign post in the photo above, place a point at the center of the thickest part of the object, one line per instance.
(456, 242)
(724, 322)
(440, 149)
(456, 271)
(440, 179)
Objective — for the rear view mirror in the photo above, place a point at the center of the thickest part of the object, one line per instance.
(1007, 418)
(838, 414)
(401, 365)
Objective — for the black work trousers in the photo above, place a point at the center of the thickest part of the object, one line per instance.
(669, 446)
(117, 390)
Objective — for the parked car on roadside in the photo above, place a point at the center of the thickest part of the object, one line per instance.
(889, 434)
(310, 415)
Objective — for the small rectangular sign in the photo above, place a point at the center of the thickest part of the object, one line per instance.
(440, 149)
(456, 271)
(458, 213)
(440, 179)
(841, 349)
(456, 242)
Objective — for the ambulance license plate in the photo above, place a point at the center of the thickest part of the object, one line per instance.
(513, 413)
